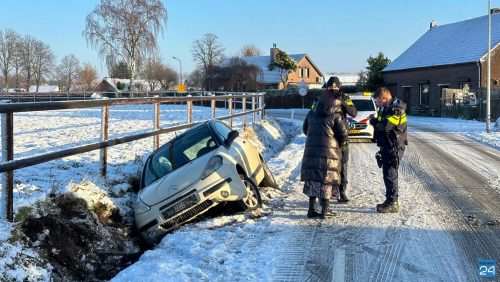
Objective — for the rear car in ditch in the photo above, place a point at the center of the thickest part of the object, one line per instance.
(207, 165)
(360, 127)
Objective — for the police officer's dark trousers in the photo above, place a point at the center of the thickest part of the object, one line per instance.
(390, 165)
(343, 169)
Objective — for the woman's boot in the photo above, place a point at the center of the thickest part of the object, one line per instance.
(312, 212)
(325, 212)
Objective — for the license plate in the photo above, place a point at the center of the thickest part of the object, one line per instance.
(354, 131)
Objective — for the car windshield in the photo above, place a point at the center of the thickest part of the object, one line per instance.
(186, 148)
(363, 105)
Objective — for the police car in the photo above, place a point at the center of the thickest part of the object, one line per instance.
(360, 127)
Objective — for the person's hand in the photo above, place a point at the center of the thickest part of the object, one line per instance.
(371, 116)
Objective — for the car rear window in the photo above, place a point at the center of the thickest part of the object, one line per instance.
(186, 148)
(364, 105)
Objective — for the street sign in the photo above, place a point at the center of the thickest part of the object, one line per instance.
(303, 88)
(181, 88)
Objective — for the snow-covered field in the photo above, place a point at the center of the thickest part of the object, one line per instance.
(281, 244)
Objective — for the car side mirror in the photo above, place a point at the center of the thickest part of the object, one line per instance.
(230, 138)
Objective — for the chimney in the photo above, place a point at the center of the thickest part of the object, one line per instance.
(274, 51)
(433, 24)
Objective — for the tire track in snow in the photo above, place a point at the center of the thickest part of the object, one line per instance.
(469, 196)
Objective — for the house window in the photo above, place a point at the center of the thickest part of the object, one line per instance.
(319, 79)
(424, 94)
(306, 72)
(300, 72)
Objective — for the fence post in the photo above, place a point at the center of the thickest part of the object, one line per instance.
(7, 181)
(244, 109)
(253, 109)
(156, 138)
(230, 103)
(261, 112)
(189, 110)
(104, 137)
(213, 106)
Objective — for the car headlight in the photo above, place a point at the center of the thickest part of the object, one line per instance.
(140, 206)
(213, 164)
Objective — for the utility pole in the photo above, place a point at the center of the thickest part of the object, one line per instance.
(488, 82)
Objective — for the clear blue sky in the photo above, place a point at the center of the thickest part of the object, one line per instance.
(338, 35)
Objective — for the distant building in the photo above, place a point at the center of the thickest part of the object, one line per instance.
(109, 84)
(306, 70)
(448, 56)
(347, 79)
(44, 88)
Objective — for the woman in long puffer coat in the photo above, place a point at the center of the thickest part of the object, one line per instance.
(321, 161)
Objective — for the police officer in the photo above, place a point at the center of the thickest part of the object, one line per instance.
(390, 131)
(347, 107)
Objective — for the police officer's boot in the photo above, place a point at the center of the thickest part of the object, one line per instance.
(388, 207)
(312, 212)
(343, 199)
(325, 212)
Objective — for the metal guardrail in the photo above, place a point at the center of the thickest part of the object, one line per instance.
(8, 164)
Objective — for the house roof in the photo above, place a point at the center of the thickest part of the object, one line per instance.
(455, 43)
(267, 76)
(44, 88)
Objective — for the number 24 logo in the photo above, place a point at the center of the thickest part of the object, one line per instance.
(486, 270)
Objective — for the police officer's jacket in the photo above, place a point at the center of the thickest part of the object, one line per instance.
(347, 106)
(390, 126)
(325, 130)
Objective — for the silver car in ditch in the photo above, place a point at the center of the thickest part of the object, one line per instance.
(206, 165)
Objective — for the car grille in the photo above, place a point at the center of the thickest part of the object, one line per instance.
(184, 204)
(190, 213)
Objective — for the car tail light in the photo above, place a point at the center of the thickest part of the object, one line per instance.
(213, 164)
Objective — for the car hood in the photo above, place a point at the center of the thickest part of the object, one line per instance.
(177, 182)
(361, 117)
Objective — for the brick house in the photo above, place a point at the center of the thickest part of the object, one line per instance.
(306, 70)
(448, 56)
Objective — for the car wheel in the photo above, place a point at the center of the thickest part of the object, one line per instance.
(252, 200)
(268, 180)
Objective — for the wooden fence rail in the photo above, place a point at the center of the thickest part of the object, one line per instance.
(7, 110)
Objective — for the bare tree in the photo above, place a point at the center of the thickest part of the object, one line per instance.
(70, 68)
(207, 53)
(8, 40)
(87, 76)
(250, 50)
(17, 62)
(27, 54)
(196, 78)
(152, 71)
(125, 30)
(168, 77)
(43, 62)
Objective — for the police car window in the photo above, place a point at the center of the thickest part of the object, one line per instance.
(222, 129)
(364, 105)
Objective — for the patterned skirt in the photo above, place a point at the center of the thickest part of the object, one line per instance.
(320, 190)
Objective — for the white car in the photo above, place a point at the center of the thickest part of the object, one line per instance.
(206, 165)
(360, 127)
